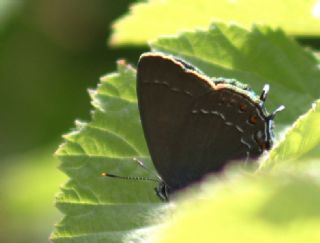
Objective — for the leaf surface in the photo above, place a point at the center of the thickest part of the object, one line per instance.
(154, 18)
(96, 208)
(99, 209)
(245, 208)
(301, 142)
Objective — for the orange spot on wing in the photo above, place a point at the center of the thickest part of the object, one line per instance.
(253, 119)
(242, 107)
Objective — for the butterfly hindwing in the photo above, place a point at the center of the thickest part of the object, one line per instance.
(192, 127)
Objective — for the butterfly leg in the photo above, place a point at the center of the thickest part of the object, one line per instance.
(162, 191)
(142, 165)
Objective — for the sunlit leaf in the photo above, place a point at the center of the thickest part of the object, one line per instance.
(301, 142)
(261, 208)
(149, 20)
(97, 208)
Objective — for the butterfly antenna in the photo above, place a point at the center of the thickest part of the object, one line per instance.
(142, 165)
(264, 93)
(273, 114)
(135, 178)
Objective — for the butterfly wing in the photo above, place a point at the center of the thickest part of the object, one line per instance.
(186, 122)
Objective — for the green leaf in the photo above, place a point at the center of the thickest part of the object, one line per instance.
(96, 208)
(261, 208)
(257, 57)
(149, 20)
(301, 142)
(99, 209)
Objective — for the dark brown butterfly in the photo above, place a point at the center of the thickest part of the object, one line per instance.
(194, 124)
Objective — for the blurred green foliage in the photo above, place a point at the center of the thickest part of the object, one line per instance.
(268, 207)
(155, 18)
(51, 52)
(27, 188)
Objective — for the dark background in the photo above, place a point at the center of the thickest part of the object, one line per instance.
(51, 52)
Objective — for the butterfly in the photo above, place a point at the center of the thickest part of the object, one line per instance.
(195, 125)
